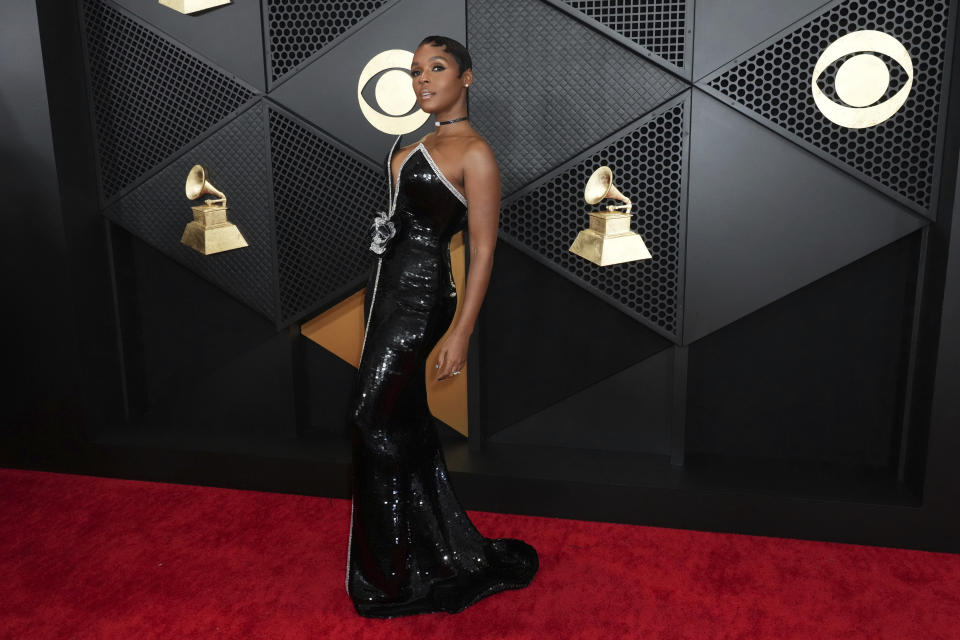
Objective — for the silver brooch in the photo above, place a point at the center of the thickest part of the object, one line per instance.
(383, 230)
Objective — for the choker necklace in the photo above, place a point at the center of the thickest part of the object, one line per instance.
(450, 121)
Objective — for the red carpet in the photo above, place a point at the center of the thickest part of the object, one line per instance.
(85, 557)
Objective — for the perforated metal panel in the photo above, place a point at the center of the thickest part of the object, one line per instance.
(647, 163)
(540, 105)
(897, 154)
(658, 25)
(299, 28)
(150, 96)
(236, 157)
(325, 203)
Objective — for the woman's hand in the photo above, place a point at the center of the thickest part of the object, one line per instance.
(452, 355)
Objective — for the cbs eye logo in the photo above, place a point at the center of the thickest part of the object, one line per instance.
(862, 79)
(392, 93)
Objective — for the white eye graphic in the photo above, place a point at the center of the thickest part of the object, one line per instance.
(862, 79)
(393, 93)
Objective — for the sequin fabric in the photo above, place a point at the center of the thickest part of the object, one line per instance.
(412, 547)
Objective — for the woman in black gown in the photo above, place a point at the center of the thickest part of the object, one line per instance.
(412, 547)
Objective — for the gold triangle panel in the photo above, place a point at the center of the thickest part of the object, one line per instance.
(339, 329)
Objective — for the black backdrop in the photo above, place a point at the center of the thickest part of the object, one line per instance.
(786, 365)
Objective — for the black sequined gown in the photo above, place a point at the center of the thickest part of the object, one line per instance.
(412, 547)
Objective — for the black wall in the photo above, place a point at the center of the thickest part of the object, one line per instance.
(44, 396)
(786, 365)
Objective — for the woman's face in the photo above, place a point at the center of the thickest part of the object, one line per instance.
(435, 80)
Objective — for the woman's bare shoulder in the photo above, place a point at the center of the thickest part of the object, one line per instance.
(477, 149)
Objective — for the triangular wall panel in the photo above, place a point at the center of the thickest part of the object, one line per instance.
(648, 164)
(235, 157)
(628, 411)
(817, 375)
(298, 29)
(660, 26)
(151, 97)
(548, 339)
(241, 53)
(897, 156)
(766, 218)
(326, 200)
(725, 29)
(537, 109)
(324, 92)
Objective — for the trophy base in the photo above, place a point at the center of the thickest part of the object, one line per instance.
(605, 250)
(211, 232)
(208, 240)
(192, 6)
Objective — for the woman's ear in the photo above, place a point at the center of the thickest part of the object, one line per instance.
(467, 77)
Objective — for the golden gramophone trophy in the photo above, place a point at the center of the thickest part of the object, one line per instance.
(609, 239)
(210, 231)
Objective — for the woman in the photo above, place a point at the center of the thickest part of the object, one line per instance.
(412, 548)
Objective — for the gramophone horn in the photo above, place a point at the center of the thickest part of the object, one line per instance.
(198, 185)
(600, 186)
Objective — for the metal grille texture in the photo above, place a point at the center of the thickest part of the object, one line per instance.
(299, 28)
(325, 203)
(150, 96)
(647, 163)
(898, 153)
(534, 109)
(235, 157)
(658, 25)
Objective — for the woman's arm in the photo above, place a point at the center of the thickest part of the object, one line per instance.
(481, 182)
